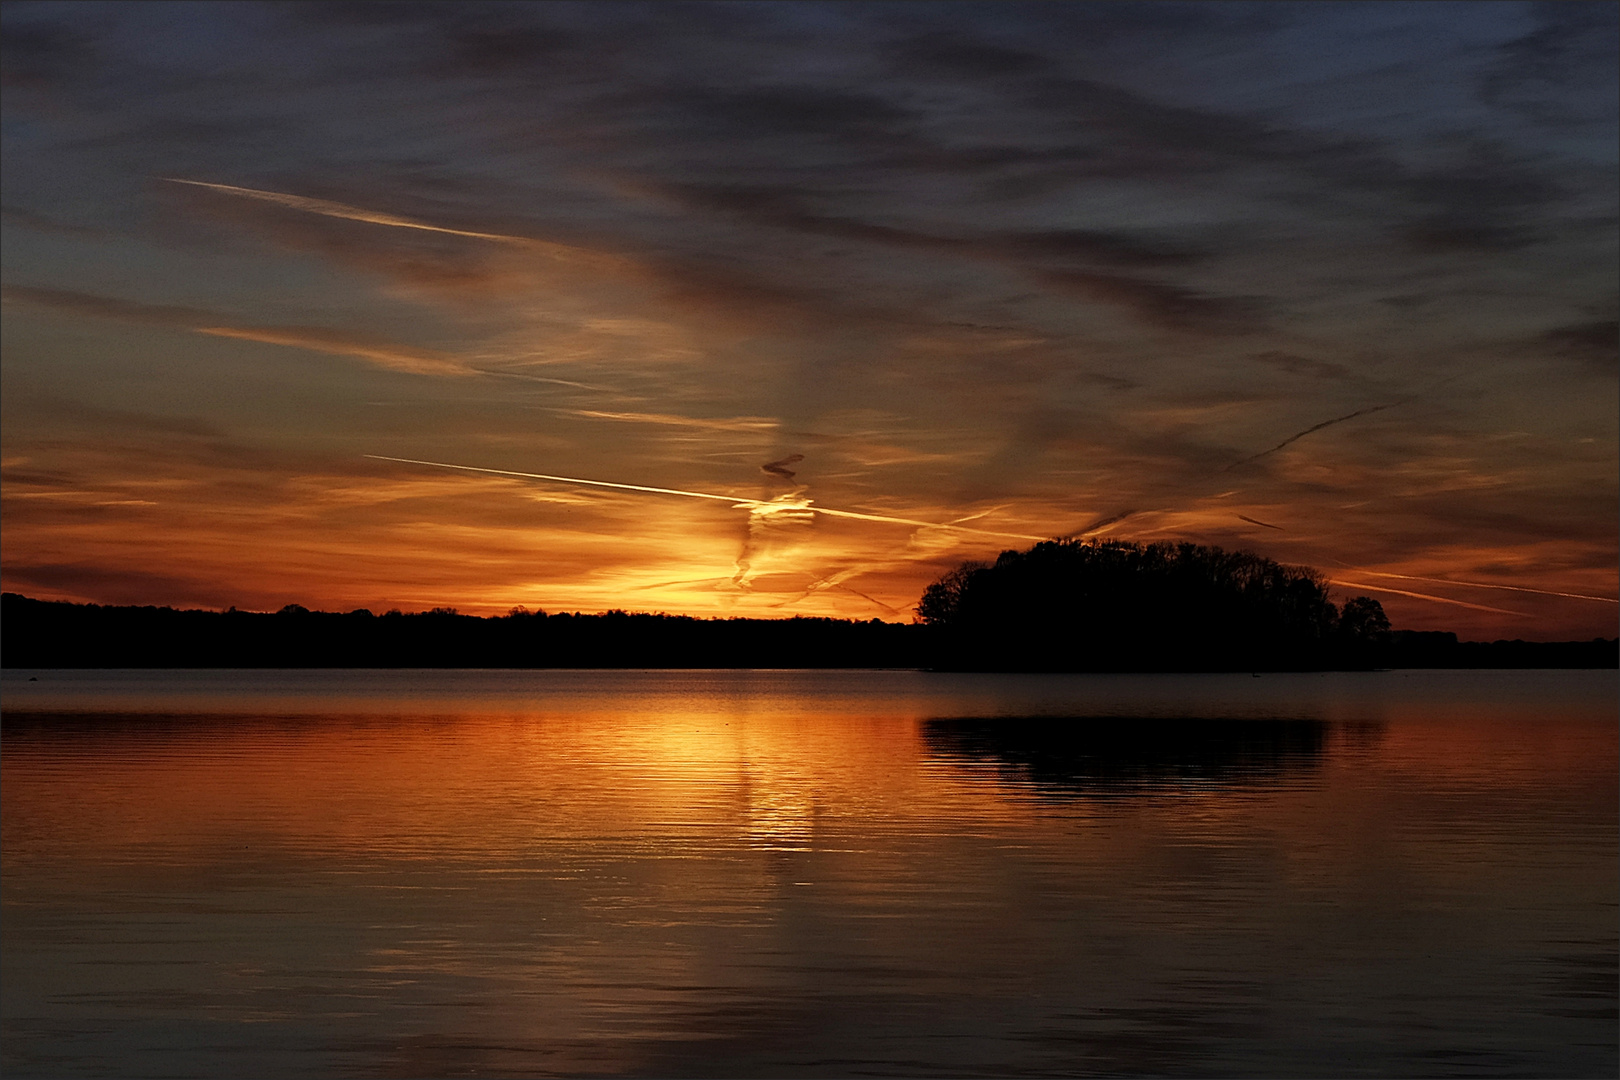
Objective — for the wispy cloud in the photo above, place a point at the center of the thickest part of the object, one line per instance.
(328, 208)
(377, 350)
(524, 376)
(108, 307)
(1074, 262)
(343, 210)
(779, 469)
(738, 423)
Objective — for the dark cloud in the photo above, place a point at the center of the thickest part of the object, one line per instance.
(785, 208)
(494, 49)
(1055, 258)
(957, 56)
(101, 449)
(1096, 246)
(1303, 365)
(368, 13)
(119, 420)
(734, 295)
(37, 52)
(764, 112)
(195, 131)
(1570, 45)
(29, 219)
(108, 307)
(1111, 22)
(779, 469)
(1161, 305)
(1464, 233)
(1597, 342)
(1158, 134)
(377, 349)
(1484, 200)
(1098, 525)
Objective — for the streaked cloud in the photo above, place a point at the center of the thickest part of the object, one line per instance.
(340, 343)
(739, 424)
(377, 350)
(791, 507)
(327, 208)
(1353, 585)
(1489, 585)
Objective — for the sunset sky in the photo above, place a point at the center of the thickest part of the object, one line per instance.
(1332, 282)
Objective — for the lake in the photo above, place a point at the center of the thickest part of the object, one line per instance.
(809, 873)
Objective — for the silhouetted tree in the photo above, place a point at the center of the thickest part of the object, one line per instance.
(941, 600)
(1362, 619)
(1112, 605)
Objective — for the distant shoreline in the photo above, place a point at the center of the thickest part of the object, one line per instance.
(41, 634)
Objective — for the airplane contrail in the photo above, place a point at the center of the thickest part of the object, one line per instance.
(328, 208)
(1100, 523)
(1368, 411)
(1484, 585)
(1315, 428)
(1423, 596)
(766, 505)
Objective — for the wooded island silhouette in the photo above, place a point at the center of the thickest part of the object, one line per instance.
(1063, 605)
(1111, 605)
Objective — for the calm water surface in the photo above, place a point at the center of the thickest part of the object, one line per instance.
(808, 873)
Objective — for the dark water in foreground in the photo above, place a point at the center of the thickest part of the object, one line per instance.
(808, 873)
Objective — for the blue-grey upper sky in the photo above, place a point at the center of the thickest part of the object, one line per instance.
(1336, 282)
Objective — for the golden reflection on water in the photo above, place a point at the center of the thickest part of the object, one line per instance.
(659, 873)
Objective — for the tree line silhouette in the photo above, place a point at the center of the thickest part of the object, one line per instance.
(1059, 606)
(48, 634)
(1111, 605)
(1068, 605)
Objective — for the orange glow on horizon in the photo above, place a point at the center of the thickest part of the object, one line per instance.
(484, 542)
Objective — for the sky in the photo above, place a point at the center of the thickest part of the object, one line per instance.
(1335, 283)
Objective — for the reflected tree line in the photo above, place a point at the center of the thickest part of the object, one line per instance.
(1129, 755)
